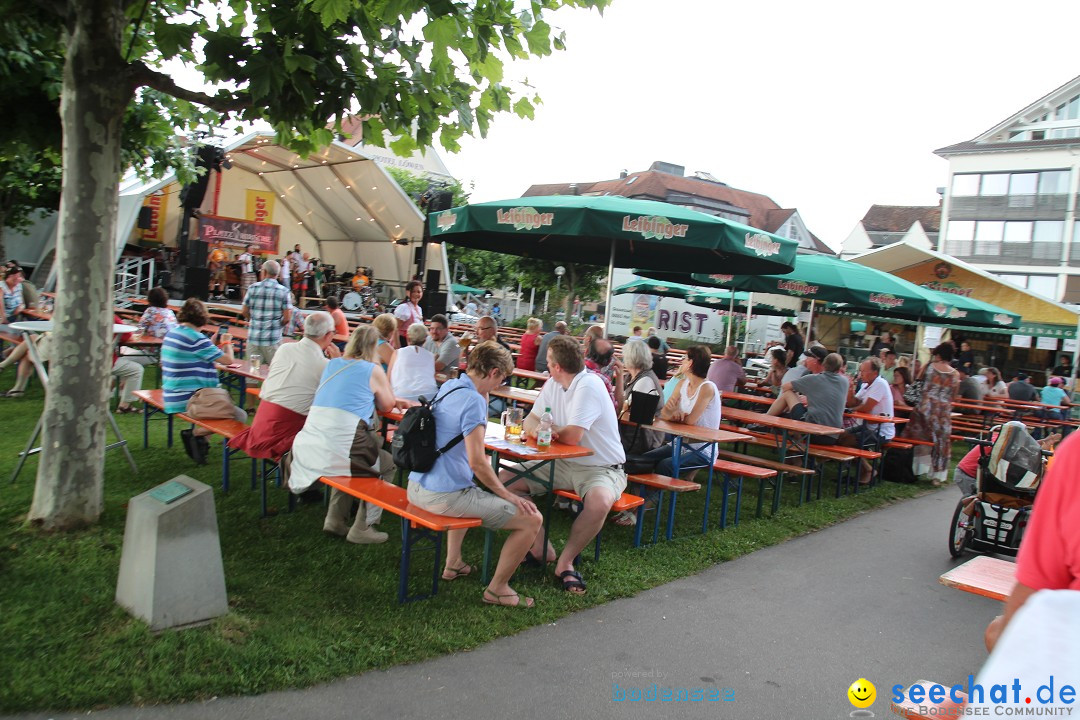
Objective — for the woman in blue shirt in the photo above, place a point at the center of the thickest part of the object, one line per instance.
(448, 489)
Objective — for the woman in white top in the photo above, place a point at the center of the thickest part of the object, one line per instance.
(695, 402)
(413, 371)
(996, 387)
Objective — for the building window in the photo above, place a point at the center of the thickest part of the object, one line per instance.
(1020, 280)
(1054, 182)
(994, 184)
(1045, 285)
(1048, 231)
(965, 185)
(1018, 232)
(962, 230)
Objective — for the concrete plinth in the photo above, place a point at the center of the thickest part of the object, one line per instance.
(171, 574)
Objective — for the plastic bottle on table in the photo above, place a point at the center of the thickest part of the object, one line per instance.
(543, 432)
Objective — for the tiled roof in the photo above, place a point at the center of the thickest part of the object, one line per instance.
(654, 185)
(774, 219)
(971, 146)
(900, 218)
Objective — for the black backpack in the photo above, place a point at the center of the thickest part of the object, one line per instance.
(414, 446)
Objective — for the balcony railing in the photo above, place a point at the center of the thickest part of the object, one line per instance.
(1009, 207)
(1003, 253)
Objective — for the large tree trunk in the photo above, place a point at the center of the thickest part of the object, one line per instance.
(70, 475)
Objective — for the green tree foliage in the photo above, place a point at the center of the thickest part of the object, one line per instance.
(414, 70)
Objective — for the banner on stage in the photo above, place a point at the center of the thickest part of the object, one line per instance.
(260, 206)
(158, 203)
(234, 232)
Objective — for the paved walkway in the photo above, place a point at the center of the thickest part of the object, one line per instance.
(787, 629)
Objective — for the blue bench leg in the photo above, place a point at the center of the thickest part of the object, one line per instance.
(639, 523)
(169, 424)
(671, 517)
(724, 500)
(489, 537)
(224, 466)
(403, 566)
(738, 499)
(659, 511)
(705, 515)
(254, 473)
(596, 546)
(145, 425)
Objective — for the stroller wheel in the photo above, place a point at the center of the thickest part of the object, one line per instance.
(959, 535)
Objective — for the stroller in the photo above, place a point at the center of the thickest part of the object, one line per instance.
(1010, 469)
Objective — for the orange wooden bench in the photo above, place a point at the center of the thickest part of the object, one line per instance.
(665, 484)
(776, 470)
(923, 706)
(418, 526)
(153, 402)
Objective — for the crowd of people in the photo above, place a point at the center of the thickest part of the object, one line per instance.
(322, 395)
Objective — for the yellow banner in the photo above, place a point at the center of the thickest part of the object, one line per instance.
(260, 206)
(157, 205)
(946, 277)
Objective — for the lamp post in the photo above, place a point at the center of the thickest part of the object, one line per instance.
(559, 272)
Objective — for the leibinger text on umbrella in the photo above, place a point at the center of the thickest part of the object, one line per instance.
(524, 218)
(761, 245)
(797, 287)
(446, 220)
(654, 227)
(885, 300)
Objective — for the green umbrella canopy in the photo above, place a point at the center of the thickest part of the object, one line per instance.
(589, 228)
(718, 300)
(963, 311)
(829, 279)
(463, 289)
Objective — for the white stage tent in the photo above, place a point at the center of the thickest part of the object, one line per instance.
(338, 204)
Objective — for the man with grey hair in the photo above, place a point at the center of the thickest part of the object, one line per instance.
(289, 388)
(541, 352)
(817, 397)
(268, 307)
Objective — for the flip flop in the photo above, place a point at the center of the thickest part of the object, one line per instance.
(572, 582)
(14, 393)
(498, 600)
(624, 519)
(451, 574)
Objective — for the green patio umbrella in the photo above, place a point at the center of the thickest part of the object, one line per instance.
(464, 289)
(826, 278)
(615, 231)
(717, 299)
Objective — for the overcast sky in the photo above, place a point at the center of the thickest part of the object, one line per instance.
(827, 107)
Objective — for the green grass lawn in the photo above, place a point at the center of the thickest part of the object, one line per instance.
(305, 607)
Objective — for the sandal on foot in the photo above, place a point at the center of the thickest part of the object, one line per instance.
(572, 582)
(491, 598)
(14, 393)
(624, 519)
(450, 574)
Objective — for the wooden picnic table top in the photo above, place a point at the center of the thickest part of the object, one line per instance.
(494, 441)
(531, 374)
(780, 423)
(743, 397)
(516, 394)
(701, 434)
(872, 418)
(1034, 404)
(243, 368)
(990, 577)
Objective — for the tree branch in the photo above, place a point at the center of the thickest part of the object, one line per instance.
(141, 75)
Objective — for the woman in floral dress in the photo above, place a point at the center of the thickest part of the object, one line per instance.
(932, 419)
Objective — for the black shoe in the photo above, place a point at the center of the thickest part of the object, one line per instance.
(188, 440)
(202, 449)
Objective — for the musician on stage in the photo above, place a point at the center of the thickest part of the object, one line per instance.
(216, 265)
(301, 273)
(360, 279)
(247, 269)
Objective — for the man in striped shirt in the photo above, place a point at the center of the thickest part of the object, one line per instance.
(268, 307)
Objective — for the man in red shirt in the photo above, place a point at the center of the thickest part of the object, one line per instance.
(1049, 557)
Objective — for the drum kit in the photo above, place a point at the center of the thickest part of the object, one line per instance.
(356, 292)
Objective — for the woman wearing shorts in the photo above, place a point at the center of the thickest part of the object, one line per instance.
(448, 489)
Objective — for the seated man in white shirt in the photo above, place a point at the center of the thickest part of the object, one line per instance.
(443, 346)
(583, 415)
(289, 388)
(874, 398)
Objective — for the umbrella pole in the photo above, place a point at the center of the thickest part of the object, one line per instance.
(730, 318)
(607, 295)
(810, 324)
(749, 311)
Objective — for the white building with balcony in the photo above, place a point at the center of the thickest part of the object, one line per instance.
(1011, 200)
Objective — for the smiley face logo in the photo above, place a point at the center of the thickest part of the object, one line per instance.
(862, 693)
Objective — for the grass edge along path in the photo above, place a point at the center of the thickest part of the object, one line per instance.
(305, 607)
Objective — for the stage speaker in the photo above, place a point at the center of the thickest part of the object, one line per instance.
(434, 303)
(146, 216)
(197, 282)
(431, 282)
(442, 200)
